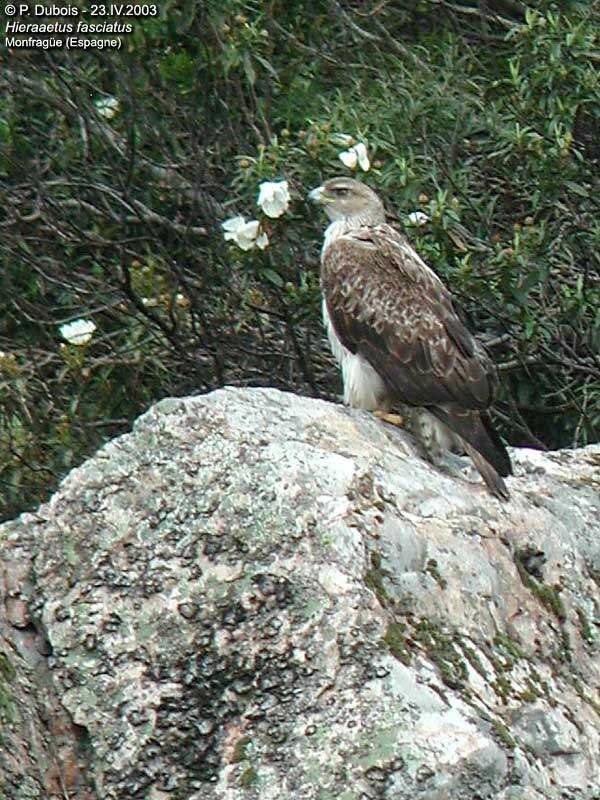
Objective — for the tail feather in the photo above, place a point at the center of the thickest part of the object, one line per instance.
(482, 443)
(491, 478)
(506, 466)
(476, 429)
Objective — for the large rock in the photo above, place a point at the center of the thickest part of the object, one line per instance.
(257, 595)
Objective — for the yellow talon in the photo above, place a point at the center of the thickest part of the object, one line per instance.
(393, 419)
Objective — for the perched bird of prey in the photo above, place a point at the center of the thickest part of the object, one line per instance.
(400, 344)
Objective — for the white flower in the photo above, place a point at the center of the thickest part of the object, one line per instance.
(107, 107)
(357, 154)
(274, 197)
(349, 158)
(241, 232)
(244, 234)
(363, 158)
(262, 241)
(77, 332)
(341, 139)
(417, 219)
(231, 225)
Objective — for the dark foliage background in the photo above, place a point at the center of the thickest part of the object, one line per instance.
(483, 115)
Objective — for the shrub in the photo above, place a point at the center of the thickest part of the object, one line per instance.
(118, 168)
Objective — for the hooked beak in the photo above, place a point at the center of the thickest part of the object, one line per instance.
(318, 196)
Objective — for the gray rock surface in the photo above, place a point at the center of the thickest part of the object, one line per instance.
(258, 595)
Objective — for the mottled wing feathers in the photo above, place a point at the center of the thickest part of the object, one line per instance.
(388, 305)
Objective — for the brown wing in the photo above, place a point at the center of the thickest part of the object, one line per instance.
(387, 305)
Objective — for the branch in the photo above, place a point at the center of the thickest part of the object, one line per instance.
(145, 214)
(352, 25)
(140, 212)
(472, 11)
(166, 174)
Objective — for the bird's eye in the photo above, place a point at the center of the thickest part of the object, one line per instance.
(341, 190)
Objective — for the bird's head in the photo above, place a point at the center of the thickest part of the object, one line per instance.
(345, 198)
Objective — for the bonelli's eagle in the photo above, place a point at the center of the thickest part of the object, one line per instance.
(399, 342)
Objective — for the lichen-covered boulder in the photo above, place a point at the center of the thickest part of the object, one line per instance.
(257, 595)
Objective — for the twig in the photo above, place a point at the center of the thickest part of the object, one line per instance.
(352, 25)
(166, 174)
(146, 214)
(399, 48)
(583, 414)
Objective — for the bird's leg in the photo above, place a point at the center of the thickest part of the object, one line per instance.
(438, 443)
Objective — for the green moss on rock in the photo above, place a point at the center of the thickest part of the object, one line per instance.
(248, 777)
(440, 648)
(374, 579)
(432, 568)
(395, 638)
(7, 676)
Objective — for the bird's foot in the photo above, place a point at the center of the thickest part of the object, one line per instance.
(458, 467)
(393, 419)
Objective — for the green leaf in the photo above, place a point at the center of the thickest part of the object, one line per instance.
(273, 277)
(249, 68)
(268, 66)
(582, 191)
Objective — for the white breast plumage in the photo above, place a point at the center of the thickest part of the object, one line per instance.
(334, 231)
(363, 388)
